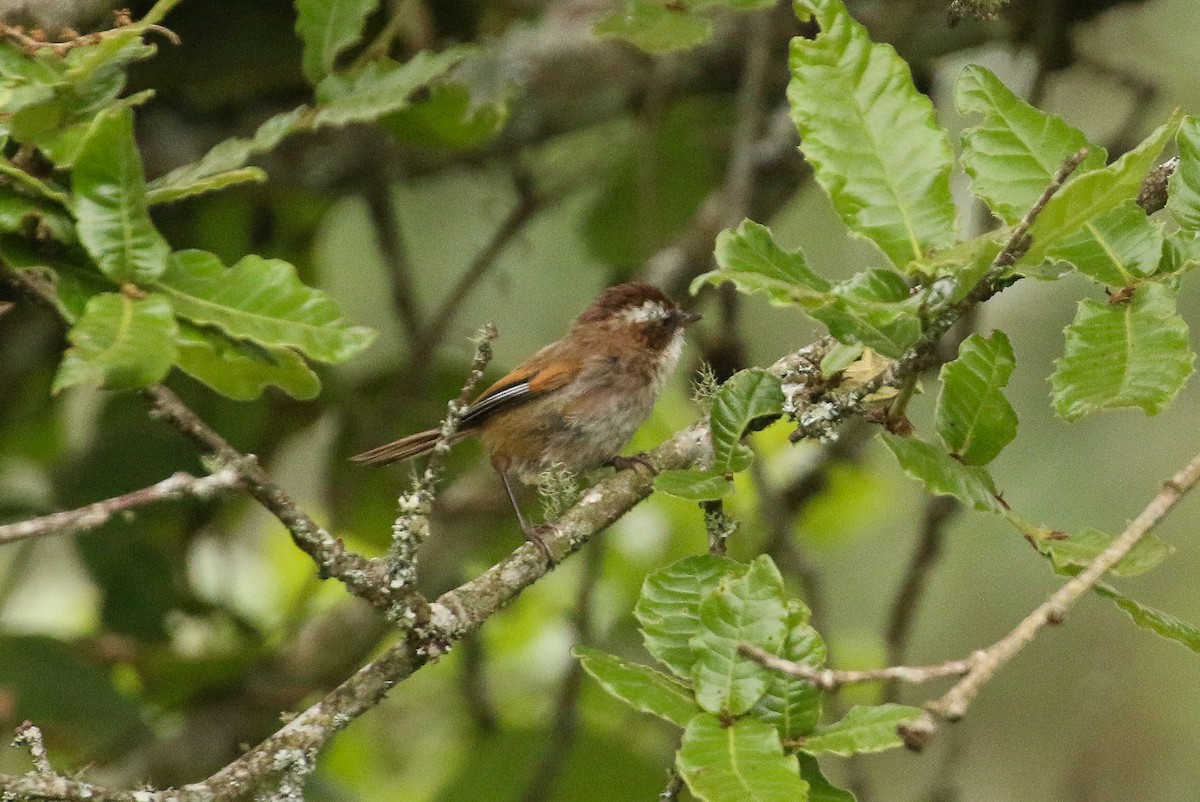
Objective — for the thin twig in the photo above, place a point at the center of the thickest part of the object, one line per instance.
(30, 736)
(674, 785)
(821, 423)
(473, 677)
(529, 202)
(385, 222)
(830, 680)
(411, 527)
(938, 512)
(94, 515)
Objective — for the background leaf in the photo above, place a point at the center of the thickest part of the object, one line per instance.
(327, 27)
(120, 343)
(641, 687)
(871, 138)
(242, 370)
(743, 762)
(862, 729)
(1013, 153)
(1132, 354)
(746, 609)
(694, 485)
(261, 300)
(655, 28)
(669, 607)
(1079, 550)
(819, 788)
(1154, 620)
(380, 88)
(973, 417)
(110, 203)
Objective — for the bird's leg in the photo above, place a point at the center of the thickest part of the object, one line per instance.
(632, 461)
(532, 533)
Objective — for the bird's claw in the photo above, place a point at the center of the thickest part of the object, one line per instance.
(537, 536)
(632, 461)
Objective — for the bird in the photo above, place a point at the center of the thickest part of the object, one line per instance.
(576, 402)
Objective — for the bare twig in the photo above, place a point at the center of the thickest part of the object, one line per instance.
(474, 684)
(529, 201)
(386, 223)
(411, 527)
(30, 736)
(830, 680)
(94, 515)
(938, 512)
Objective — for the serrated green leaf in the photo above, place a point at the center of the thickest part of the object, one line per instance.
(1183, 189)
(790, 703)
(694, 485)
(20, 213)
(750, 259)
(1116, 248)
(840, 357)
(862, 729)
(260, 300)
(974, 419)
(327, 27)
(381, 87)
(1089, 195)
(746, 609)
(655, 28)
(242, 370)
(1154, 620)
(120, 343)
(1181, 253)
(871, 137)
(1015, 151)
(1130, 354)
(1080, 549)
(875, 309)
(668, 609)
(211, 183)
(942, 474)
(743, 762)
(819, 788)
(641, 687)
(110, 203)
(748, 397)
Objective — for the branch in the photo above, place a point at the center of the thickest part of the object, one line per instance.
(828, 679)
(94, 515)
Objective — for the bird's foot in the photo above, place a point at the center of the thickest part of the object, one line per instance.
(632, 461)
(537, 536)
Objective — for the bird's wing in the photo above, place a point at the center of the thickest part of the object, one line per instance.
(536, 377)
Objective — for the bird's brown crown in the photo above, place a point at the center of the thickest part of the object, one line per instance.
(625, 298)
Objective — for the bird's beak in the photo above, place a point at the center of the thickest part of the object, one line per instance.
(688, 318)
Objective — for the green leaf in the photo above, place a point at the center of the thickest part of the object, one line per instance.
(819, 788)
(655, 28)
(669, 607)
(871, 137)
(110, 203)
(234, 153)
(942, 474)
(1130, 354)
(381, 87)
(1154, 620)
(974, 419)
(1116, 248)
(1080, 549)
(120, 343)
(791, 704)
(641, 687)
(327, 27)
(36, 217)
(839, 357)
(260, 300)
(694, 485)
(753, 262)
(862, 729)
(242, 370)
(1015, 151)
(746, 399)
(1181, 253)
(746, 609)
(875, 309)
(743, 762)
(1183, 190)
(1092, 194)
(211, 183)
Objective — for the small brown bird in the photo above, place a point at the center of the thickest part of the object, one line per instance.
(575, 402)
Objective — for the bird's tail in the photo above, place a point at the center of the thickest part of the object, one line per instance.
(405, 448)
